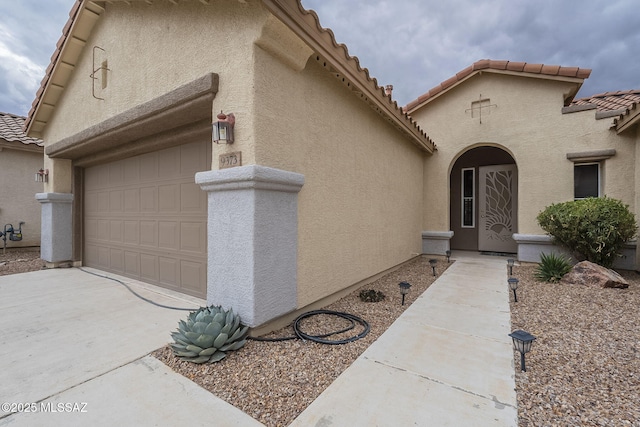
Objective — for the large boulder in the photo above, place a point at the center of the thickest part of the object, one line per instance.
(590, 274)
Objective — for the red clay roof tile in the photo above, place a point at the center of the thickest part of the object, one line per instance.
(533, 68)
(484, 64)
(350, 62)
(551, 70)
(516, 66)
(611, 101)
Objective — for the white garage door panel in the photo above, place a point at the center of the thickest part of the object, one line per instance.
(145, 218)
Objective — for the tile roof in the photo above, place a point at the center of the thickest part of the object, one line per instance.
(306, 24)
(66, 33)
(505, 67)
(336, 58)
(611, 101)
(11, 130)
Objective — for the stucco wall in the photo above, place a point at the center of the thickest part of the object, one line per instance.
(18, 194)
(360, 207)
(153, 49)
(527, 122)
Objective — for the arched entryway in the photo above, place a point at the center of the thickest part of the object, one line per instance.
(484, 200)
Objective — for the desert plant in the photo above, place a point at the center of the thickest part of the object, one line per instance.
(594, 229)
(207, 334)
(552, 267)
(370, 295)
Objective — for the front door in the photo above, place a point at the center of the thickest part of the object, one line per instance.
(498, 204)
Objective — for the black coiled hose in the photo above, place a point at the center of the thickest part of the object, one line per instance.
(299, 334)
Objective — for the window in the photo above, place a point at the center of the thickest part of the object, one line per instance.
(468, 197)
(586, 180)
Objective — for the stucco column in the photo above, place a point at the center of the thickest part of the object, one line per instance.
(252, 240)
(56, 239)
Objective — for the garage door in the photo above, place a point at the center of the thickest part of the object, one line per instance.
(145, 218)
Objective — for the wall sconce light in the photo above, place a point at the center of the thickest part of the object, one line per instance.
(448, 254)
(223, 128)
(404, 289)
(432, 263)
(510, 263)
(522, 341)
(513, 285)
(42, 175)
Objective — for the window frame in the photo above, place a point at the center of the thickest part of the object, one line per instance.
(599, 178)
(471, 198)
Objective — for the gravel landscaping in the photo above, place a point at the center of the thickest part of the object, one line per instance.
(583, 369)
(584, 366)
(275, 381)
(20, 261)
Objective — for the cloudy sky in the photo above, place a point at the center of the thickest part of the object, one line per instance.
(411, 44)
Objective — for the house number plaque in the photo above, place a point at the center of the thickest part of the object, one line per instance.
(230, 160)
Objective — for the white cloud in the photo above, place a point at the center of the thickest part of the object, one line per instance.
(20, 75)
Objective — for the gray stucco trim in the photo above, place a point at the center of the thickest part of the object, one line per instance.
(531, 246)
(177, 117)
(56, 239)
(591, 155)
(251, 176)
(436, 242)
(252, 240)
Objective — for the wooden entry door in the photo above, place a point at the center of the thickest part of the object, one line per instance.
(498, 201)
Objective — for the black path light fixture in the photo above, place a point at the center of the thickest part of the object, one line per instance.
(404, 289)
(513, 285)
(510, 263)
(432, 263)
(448, 254)
(522, 341)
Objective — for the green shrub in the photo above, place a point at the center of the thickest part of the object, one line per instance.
(369, 295)
(594, 229)
(552, 267)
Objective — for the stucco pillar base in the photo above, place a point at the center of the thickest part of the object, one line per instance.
(436, 242)
(252, 240)
(531, 246)
(56, 239)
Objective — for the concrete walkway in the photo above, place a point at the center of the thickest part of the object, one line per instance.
(447, 361)
(76, 346)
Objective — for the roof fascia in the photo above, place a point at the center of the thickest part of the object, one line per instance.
(20, 146)
(627, 120)
(84, 13)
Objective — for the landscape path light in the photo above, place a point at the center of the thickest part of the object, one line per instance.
(432, 263)
(513, 285)
(510, 263)
(448, 254)
(404, 288)
(522, 341)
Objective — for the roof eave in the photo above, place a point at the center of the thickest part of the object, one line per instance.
(20, 146)
(627, 120)
(305, 24)
(82, 18)
(568, 97)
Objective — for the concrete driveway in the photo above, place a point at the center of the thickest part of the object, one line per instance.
(74, 351)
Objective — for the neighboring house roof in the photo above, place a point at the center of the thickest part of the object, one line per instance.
(552, 72)
(623, 105)
(304, 23)
(618, 101)
(12, 135)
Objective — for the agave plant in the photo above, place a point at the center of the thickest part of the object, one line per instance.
(207, 334)
(552, 267)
